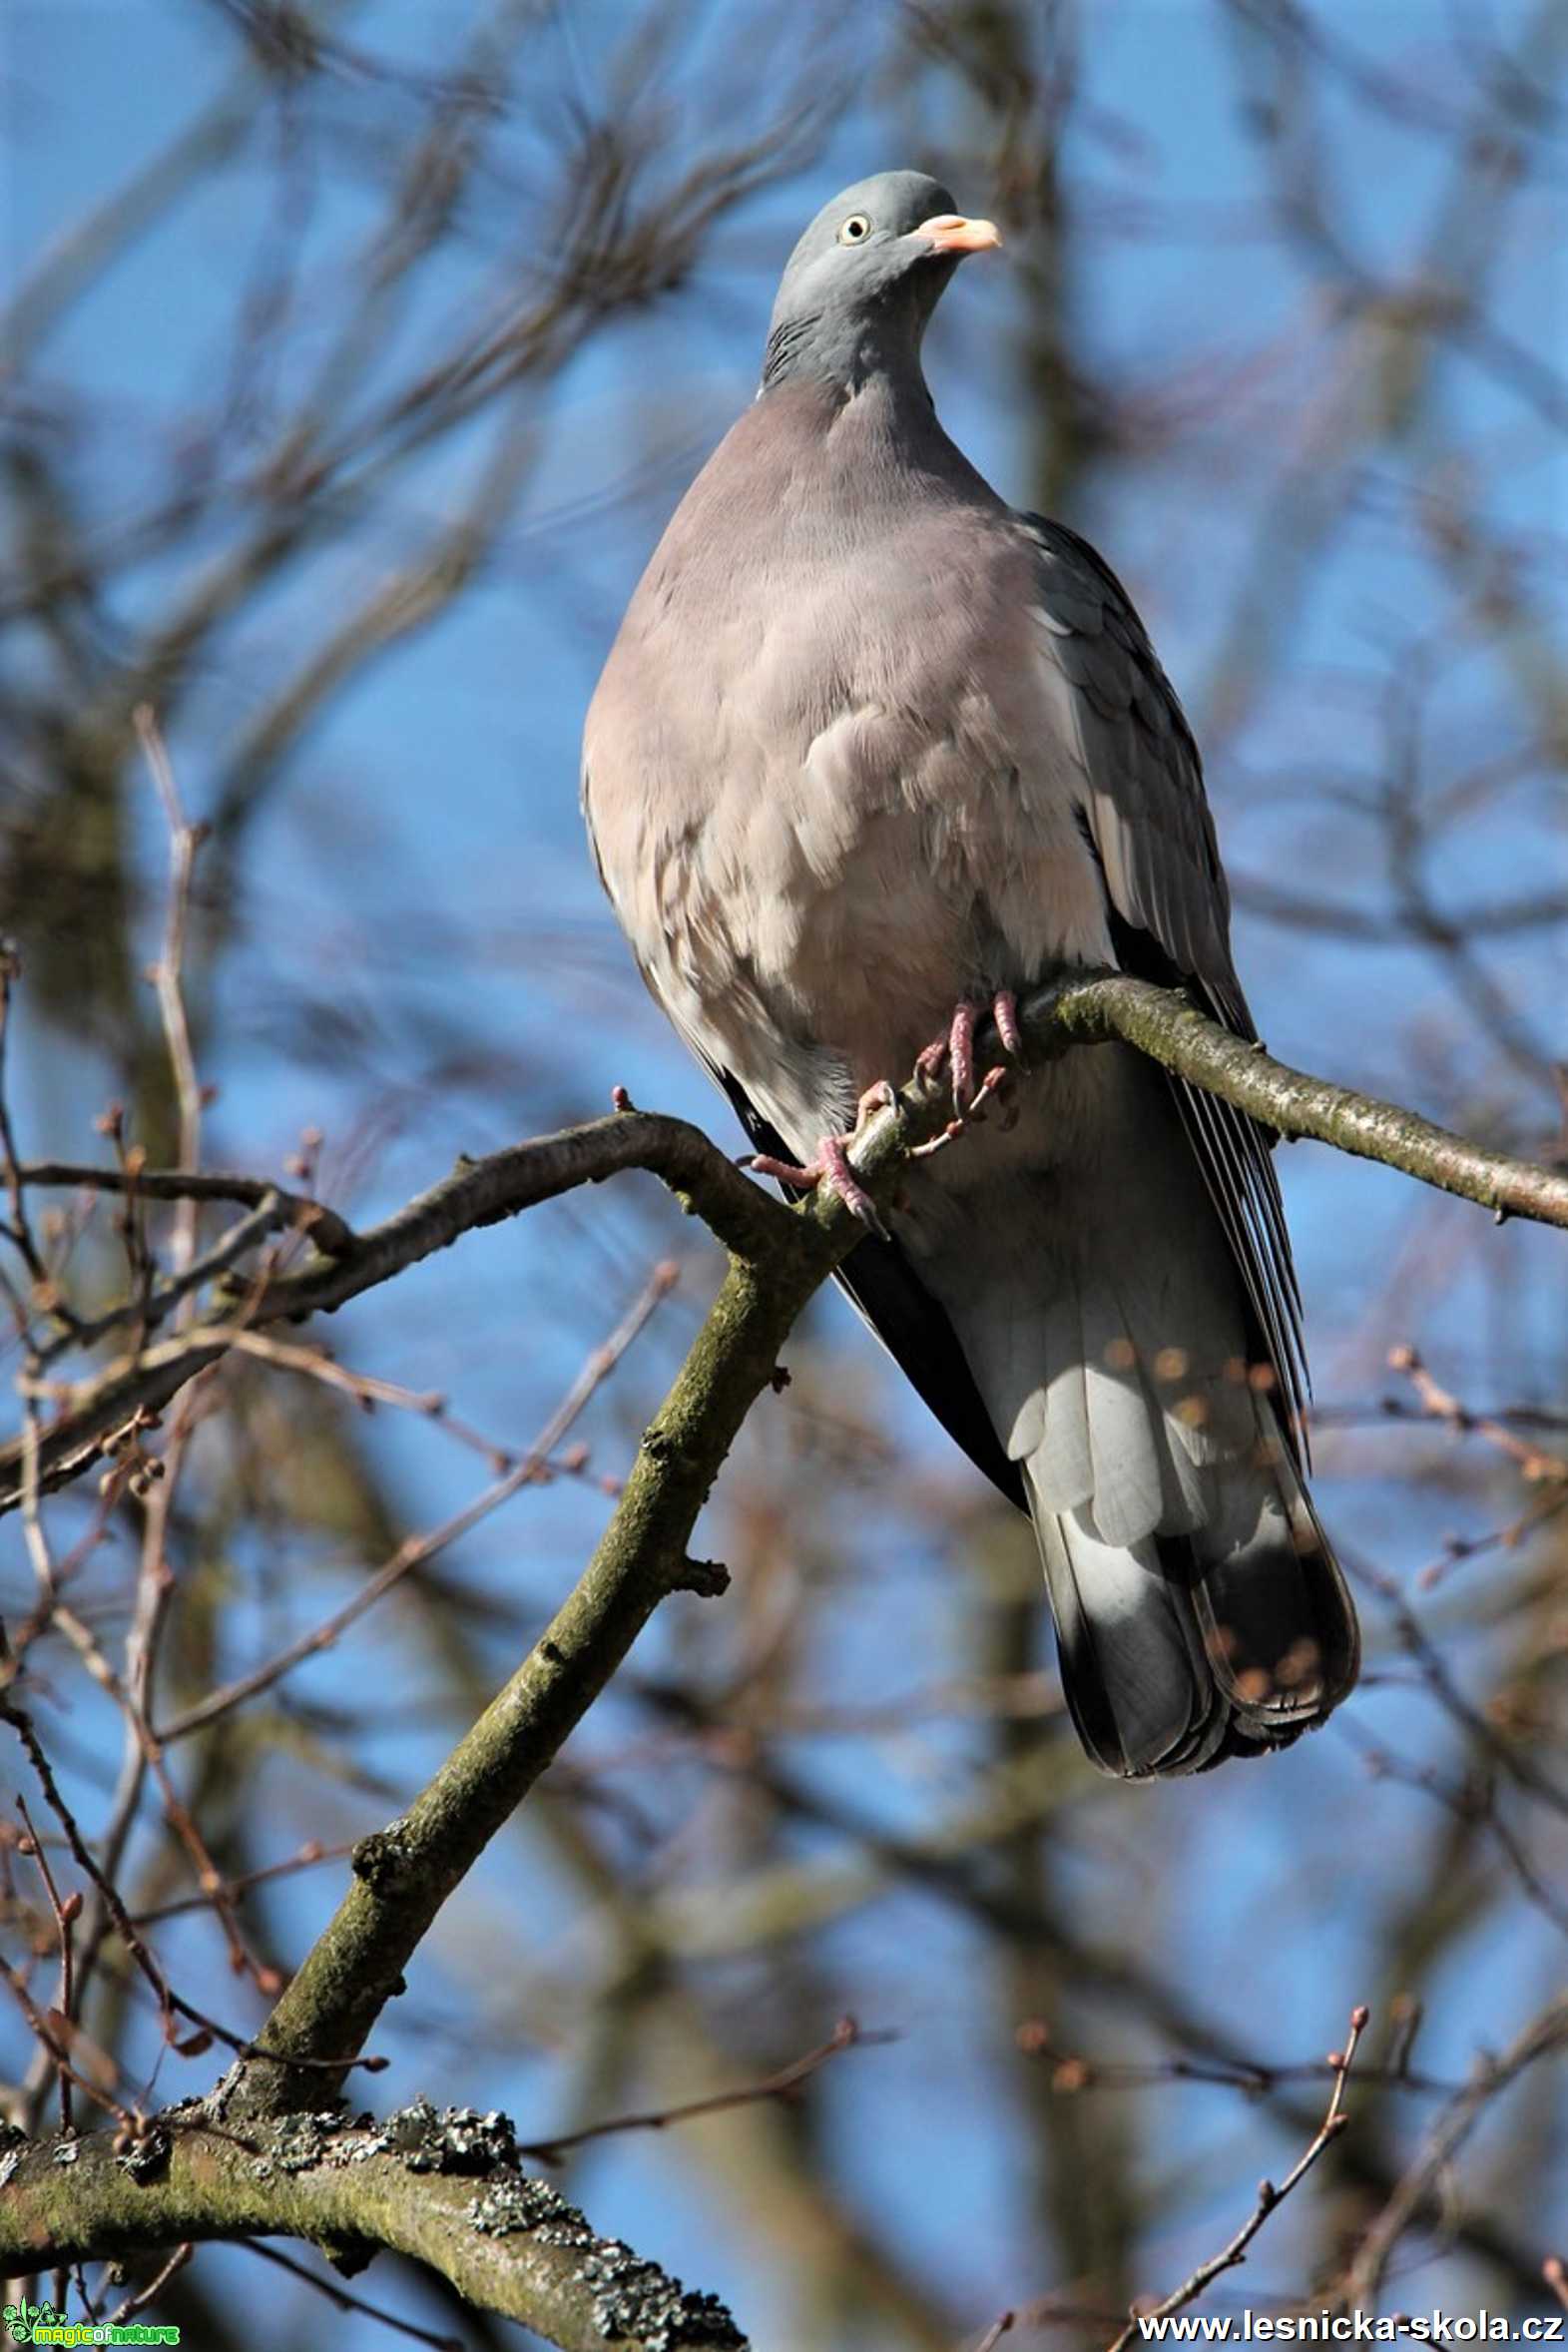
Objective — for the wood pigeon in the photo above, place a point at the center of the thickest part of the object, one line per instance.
(873, 752)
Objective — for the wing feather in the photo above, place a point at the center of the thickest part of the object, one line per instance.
(1147, 819)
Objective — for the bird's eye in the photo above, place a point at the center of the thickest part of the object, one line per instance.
(856, 229)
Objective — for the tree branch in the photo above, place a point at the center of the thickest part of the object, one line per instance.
(476, 1193)
(1088, 1009)
(325, 1228)
(1164, 1025)
(445, 2188)
(1269, 2199)
(403, 1875)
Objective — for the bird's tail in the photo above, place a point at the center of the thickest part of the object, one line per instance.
(1199, 1611)
(1181, 1648)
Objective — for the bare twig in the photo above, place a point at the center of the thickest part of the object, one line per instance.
(65, 1916)
(167, 973)
(368, 1391)
(171, 2004)
(1510, 1755)
(478, 1193)
(144, 2298)
(999, 2327)
(152, 1305)
(309, 1855)
(1545, 2035)
(1439, 1404)
(177, 1814)
(1270, 2198)
(290, 1209)
(1474, 1799)
(847, 2035)
(55, 2039)
(1071, 2072)
(420, 1548)
(342, 2300)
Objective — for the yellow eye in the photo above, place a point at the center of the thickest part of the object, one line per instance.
(856, 229)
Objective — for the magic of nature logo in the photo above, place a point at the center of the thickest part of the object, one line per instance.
(41, 2323)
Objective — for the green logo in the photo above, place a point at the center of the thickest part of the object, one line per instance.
(22, 2318)
(41, 2323)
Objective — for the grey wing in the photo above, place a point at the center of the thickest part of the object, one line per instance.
(1148, 825)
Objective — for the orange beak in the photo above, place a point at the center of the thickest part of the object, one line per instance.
(950, 232)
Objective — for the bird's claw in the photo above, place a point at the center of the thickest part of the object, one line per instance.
(957, 1048)
(840, 1178)
(830, 1167)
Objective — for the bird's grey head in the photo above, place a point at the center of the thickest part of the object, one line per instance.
(864, 281)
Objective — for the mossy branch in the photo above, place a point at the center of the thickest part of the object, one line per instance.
(1172, 1031)
(403, 1875)
(446, 2190)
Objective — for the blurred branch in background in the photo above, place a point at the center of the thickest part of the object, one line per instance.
(352, 369)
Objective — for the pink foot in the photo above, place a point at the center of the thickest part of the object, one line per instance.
(830, 1167)
(957, 1047)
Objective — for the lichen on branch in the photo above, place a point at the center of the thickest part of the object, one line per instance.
(445, 2188)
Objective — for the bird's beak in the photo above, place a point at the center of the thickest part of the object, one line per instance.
(950, 232)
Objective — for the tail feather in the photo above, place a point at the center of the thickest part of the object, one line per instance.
(1198, 1608)
(1133, 1665)
(1183, 1647)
